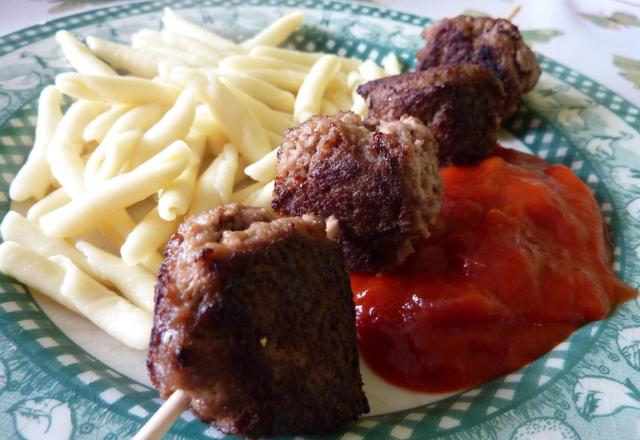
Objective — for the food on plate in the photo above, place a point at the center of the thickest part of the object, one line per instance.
(460, 104)
(378, 179)
(254, 321)
(254, 316)
(179, 122)
(493, 43)
(516, 262)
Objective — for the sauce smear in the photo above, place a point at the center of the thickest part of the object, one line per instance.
(516, 262)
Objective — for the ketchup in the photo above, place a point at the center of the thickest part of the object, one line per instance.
(516, 262)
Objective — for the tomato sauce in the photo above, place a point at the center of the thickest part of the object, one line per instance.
(516, 262)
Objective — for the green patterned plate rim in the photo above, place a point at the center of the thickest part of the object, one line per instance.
(585, 388)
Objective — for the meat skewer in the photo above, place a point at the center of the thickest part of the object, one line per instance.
(254, 326)
(378, 179)
(164, 418)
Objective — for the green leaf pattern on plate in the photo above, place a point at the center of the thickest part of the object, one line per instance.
(629, 69)
(613, 21)
(569, 119)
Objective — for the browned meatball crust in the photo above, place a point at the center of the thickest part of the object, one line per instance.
(494, 43)
(460, 105)
(254, 320)
(379, 180)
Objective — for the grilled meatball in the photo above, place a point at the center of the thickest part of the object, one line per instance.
(494, 43)
(460, 104)
(379, 180)
(254, 320)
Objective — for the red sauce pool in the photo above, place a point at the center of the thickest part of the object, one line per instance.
(516, 262)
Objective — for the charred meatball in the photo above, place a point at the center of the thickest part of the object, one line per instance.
(494, 43)
(459, 104)
(254, 320)
(378, 179)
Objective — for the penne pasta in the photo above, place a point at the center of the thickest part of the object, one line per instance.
(115, 315)
(80, 57)
(119, 89)
(174, 200)
(34, 177)
(136, 284)
(276, 32)
(178, 24)
(150, 234)
(32, 269)
(309, 97)
(83, 214)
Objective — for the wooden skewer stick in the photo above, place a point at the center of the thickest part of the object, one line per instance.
(511, 15)
(162, 420)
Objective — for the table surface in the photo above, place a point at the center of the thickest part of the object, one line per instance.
(599, 38)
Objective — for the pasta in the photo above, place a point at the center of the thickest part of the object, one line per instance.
(34, 178)
(194, 121)
(311, 91)
(239, 124)
(112, 313)
(120, 89)
(34, 270)
(80, 57)
(263, 91)
(51, 201)
(82, 214)
(276, 32)
(173, 126)
(97, 129)
(178, 24)
(215, 182)
(147, 236)
(138, 62)
(137, 285)
(175, 199)
(18, 229)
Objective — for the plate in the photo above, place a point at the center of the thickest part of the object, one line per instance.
(61, 379)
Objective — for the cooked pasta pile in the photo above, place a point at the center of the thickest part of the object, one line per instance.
(194, 122)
